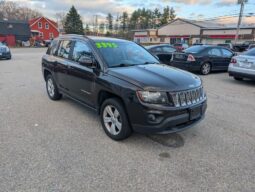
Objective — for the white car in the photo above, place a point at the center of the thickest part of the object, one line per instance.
(243, 65)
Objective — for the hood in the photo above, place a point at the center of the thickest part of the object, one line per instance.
(157, 77)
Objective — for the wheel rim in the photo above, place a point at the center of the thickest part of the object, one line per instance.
(112, 120)
(50, 87)
(206, 68)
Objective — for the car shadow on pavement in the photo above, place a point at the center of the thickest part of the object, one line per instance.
(173, 140)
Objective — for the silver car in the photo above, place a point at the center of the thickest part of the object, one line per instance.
(243, 65)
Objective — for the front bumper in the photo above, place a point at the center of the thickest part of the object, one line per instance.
(5, 55)
(168, 121)
(241, 72)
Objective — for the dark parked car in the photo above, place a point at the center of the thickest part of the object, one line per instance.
(243, 46)
(203, 59)
(125, 84)
(180, 46)
(164, 52)
(5, 52)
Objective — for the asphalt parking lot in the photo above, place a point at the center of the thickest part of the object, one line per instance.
(60, 146)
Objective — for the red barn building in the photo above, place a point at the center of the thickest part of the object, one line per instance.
(44, 28)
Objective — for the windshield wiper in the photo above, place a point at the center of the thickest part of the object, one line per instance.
(122, 65)
(148, 62)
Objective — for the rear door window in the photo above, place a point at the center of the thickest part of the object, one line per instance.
(168, 49)
(64, 49)
(215, 52)
(52, 50)
(157, 49)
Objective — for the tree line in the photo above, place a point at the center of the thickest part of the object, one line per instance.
(10, 10)
(122, 24)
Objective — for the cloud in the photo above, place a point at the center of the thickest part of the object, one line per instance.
(190, 2)
(226, 3)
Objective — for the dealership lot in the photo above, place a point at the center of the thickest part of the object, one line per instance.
(60, 146)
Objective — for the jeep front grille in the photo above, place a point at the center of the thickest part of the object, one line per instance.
(189, 97)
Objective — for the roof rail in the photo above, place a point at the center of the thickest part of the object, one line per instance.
(73, 35)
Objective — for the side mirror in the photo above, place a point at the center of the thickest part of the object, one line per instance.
(86, 61)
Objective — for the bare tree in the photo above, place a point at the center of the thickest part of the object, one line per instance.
(61, 19)
(14, 11)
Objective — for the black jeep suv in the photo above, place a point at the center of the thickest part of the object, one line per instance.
(124, 83)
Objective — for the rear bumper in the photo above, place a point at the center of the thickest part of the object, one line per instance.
(185, 65)
(172, 124)
(241, 72)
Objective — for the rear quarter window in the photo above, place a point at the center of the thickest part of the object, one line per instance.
(52, 50)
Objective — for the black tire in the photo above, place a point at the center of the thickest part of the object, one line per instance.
(125, 131)
(238, 78)
(55, 95)
(205, 68)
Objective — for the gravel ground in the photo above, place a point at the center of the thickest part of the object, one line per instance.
(60, 146)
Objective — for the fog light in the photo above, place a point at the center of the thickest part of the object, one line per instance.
(151, 117)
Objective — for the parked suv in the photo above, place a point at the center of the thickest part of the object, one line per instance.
(5, 52)
(124, 83)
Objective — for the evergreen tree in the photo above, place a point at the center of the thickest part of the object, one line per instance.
(73, 23)
(165, 16)
(172, 14)
(109, 19)
(124, 21)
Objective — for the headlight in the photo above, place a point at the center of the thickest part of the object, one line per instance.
(153, 97)
(7, 49)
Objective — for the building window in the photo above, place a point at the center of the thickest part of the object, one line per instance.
(162, 39)
(41, 34)
(46, 25)
(40, 25)
(150, 39)
(51, 36)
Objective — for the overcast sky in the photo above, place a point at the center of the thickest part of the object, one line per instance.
(189, 9)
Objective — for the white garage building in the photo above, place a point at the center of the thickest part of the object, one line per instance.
(190, 31)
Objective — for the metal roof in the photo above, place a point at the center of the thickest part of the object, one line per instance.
(18, 28)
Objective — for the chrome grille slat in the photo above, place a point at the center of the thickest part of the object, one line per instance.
(187, 98)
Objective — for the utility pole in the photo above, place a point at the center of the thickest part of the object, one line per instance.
(240, 18)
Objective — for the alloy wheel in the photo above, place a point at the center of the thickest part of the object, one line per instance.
(112, 120)
(50, 87)
(206, 68)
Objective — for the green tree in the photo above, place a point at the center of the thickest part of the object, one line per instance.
(73, 23)
(172, 14)
(124, 21)
(156, 18)
(109, 20)
(165, 16)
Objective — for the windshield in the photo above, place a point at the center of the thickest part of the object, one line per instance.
(1, 44)
(250, 52)
(194, 49)
(118, 54)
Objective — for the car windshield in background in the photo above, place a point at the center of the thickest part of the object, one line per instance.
(250, 52)
(1, 44)
(123, 54)
(177, 44)
(194, 49)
